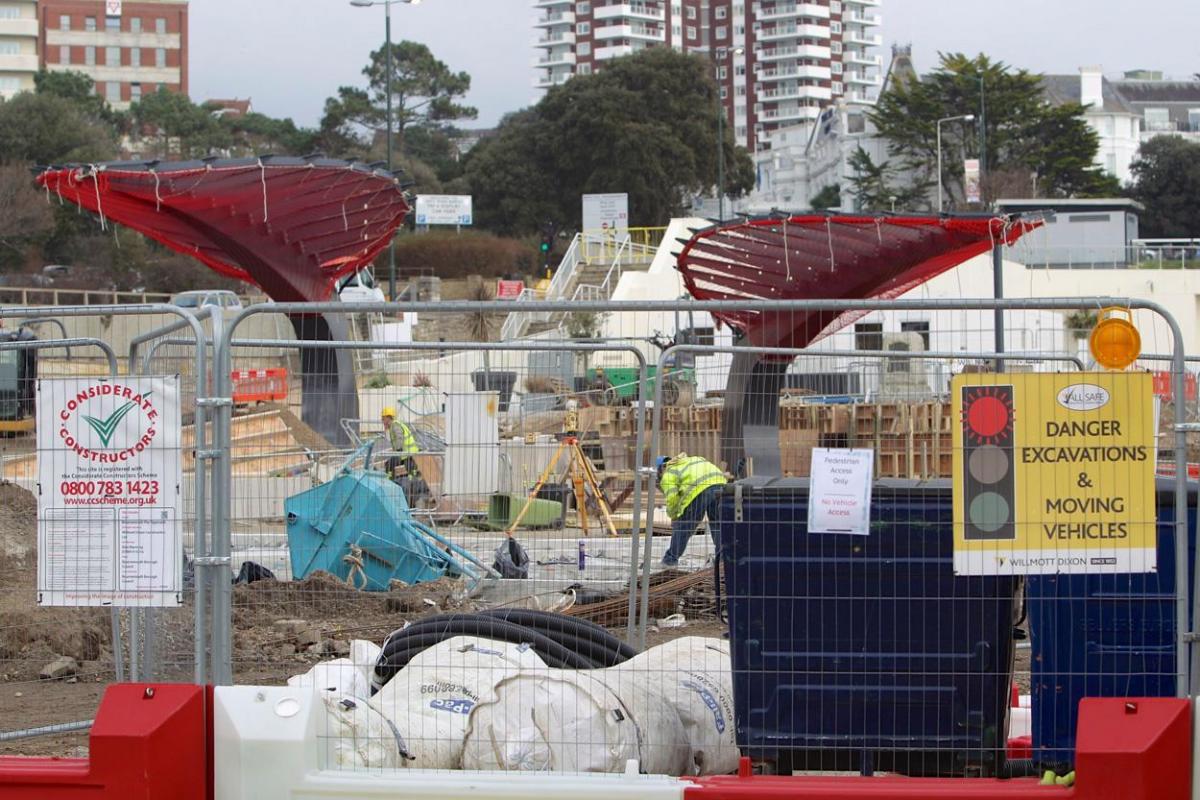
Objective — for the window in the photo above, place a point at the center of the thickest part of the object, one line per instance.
(160, 25)
(89, 56)
(724, 92)
(1158, 119)
(64, 55)
(10, 12)
(64, 22)
(583, 8)
(583, 49)
(835, 47)
(9, 84)
(835, 27)
(836, 66)
(135, 25)
(135, 92)
(739, 69)
(112, 91)
(868, 336)
(721, 12)
(112, 23)
(691, 32)
(722, 31)
(89, 23)
(835, 7)
(740, 91)
(917, 326)
(691, 12)
(583, 69)
(10, 48)
(837, 87)
(583, 28)
(135, 56)
(112, 56)
(722, 73)
(1194, 119)
(160, 57)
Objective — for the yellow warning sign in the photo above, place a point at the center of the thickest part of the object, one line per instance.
(1054, 473)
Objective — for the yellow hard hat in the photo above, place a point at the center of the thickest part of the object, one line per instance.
(388, 411)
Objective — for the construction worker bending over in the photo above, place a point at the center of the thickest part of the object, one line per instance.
(401, 440)
(692, 487)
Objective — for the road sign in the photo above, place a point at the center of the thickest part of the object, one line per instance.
(443, 209)
(109, 492)
(1054, 473)
(606, 212)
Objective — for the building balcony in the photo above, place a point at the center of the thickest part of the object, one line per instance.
(105, 74)
(551, 80)
(564, 58)
(630, 32)
(553, 3)
(631, 11)
(863, 3)
(862, 39)
(791, 114)
(866, 20)
(793, 32)
(552, 39)
(793, 93)
(794, 51)
(790, 10)
(790, 73)
(19, 27)
(22, 62)
(555, 18)
(859, 79)
(614, 51)
(861, 59)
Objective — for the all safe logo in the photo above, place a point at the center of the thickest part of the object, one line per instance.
(96, 423)
(1083, 397)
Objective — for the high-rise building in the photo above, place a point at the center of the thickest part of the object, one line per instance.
(129, 48)
(778, 62)
(18, 46)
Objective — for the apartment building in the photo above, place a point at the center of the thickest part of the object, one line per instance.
(778, 62)
(129, 48)
(18, 46)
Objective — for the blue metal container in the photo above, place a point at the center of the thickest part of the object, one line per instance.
(863, 652)
(358, 527)
(1103, 636)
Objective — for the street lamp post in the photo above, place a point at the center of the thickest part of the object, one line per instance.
(964, 118)
(737, 51)
(387, 27)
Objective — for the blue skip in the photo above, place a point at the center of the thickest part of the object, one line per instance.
(358, 527)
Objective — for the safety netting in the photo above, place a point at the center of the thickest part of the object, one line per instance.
(291, 226)
(829, 257)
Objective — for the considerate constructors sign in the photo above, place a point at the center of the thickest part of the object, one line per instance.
(109, 491)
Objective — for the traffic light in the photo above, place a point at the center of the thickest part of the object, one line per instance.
(989, 488)
(548, 231)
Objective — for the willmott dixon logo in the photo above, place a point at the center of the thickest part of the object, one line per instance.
(105, 428)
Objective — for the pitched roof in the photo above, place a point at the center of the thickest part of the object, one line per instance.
(1061, 89)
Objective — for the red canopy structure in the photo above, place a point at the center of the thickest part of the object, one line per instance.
(291, 226)
(828, 257)
(814, 257)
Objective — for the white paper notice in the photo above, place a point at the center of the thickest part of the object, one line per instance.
(109, 492)
(839, 495)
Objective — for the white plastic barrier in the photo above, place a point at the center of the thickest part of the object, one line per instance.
(267, 747)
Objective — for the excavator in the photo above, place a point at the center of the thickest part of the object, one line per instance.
(18, 379)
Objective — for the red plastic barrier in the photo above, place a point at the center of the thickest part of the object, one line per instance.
(149, 741)
(1125, 750)
(259, 385)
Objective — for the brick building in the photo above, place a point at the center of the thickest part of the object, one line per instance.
(129, 48)
(778, 62)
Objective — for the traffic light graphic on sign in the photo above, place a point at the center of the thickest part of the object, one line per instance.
(989, 488)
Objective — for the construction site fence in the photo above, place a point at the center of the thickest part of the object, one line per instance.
(270, 485)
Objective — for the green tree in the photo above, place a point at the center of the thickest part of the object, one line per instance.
(180, 122)
(425, 93)
(48, 129)
(1023, 134)
(829, 197)
(1166, 180)
(877, 187)
(80, 90)
(644, 125)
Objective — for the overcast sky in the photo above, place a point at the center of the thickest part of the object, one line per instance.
(289, 55)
